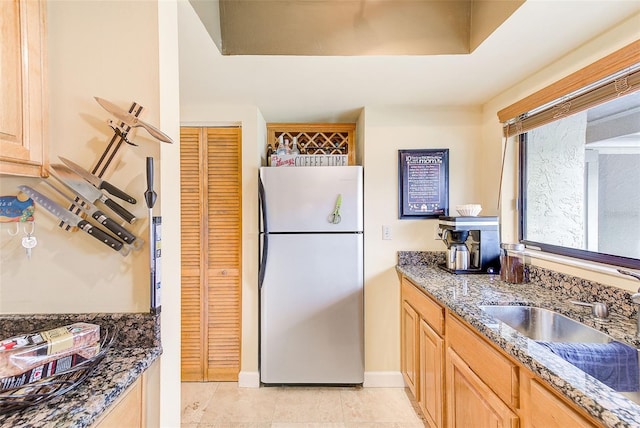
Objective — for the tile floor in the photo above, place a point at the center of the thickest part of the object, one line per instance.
(224, 404)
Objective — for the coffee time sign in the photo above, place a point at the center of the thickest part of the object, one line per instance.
(309, 160)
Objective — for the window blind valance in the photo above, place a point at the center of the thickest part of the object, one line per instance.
(616, 75)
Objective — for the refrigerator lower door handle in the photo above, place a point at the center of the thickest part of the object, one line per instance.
(263, 259)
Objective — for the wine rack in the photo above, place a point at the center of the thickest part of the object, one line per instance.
(316, 138)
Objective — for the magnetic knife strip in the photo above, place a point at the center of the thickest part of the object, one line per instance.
(119, 136)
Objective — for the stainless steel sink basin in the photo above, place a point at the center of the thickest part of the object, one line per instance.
(545, 325)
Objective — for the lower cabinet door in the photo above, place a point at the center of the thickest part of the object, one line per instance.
(127, 412)
(431, 375)
(549, 411)
(409, 348)
(470, 402)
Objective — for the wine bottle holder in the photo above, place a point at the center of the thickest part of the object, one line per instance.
(316, 138)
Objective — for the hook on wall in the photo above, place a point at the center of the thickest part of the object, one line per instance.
(19, 210)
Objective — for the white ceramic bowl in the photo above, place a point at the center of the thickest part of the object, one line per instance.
(470, 210)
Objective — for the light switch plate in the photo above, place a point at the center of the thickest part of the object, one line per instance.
(386, 232)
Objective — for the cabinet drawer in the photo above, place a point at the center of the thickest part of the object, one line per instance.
(549, 411)
(500, 374)
(426, 307)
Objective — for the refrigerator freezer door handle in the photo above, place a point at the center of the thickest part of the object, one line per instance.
(265, 236)
(263, 206)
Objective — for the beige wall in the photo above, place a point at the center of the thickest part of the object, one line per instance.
(73, 272)
(492, 141)
(386, 131)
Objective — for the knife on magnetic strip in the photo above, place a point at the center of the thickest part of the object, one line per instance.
(97, 181)
(132, 120)
(88, 192)
(99, 216)
(72, 219)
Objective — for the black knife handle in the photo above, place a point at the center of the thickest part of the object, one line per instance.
(113, 226)
(117, 192)
(100, 235)
(118, 209)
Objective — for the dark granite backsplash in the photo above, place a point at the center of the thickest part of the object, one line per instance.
(421, 258)
(617, 299)
(135, 330)
(572, 287)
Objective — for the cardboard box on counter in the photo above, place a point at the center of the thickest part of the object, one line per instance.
(309, 160)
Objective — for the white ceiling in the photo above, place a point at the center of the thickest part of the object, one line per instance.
(335, 88)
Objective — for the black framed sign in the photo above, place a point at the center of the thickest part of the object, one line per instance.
(423, 180)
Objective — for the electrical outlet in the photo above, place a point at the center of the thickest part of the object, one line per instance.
(386, 232)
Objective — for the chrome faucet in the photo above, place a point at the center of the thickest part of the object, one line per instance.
(598, 309)
(631, 274)
(635, 298)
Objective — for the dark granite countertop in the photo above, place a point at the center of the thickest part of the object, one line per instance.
(137, 346)
(462, 294)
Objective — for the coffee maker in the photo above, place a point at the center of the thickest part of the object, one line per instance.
(473, 244)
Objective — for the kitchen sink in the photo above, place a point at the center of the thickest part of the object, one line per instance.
(545, 325)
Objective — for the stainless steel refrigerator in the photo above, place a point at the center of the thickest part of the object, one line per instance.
(311, 275)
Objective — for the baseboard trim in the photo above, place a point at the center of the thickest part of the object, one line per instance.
(249, 379)
(383, 380)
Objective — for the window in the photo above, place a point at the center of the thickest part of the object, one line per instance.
(580, 184)
(580, 162)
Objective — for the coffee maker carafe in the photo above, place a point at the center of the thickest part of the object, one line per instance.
(457, 251)
(473, 244)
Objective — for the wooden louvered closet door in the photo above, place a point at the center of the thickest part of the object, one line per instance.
(211, 216)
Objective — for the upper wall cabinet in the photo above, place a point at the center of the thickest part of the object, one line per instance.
(23, 124)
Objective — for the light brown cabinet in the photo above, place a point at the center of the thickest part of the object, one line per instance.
(471, 403)
(23, 124)
(546, 410)
(461, 379)
(409, 364)
(138, 406)
(482, 385)
(423, 351)
(431, 375)
(127, 412)
(498, 372)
